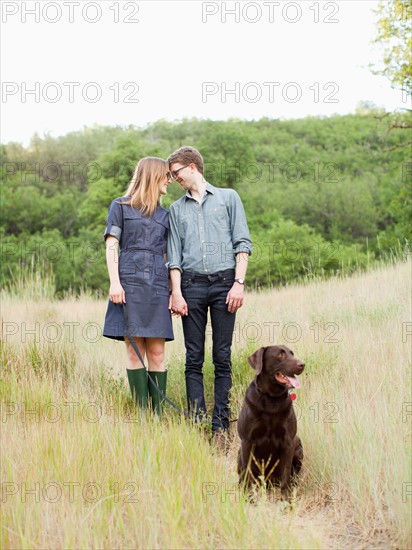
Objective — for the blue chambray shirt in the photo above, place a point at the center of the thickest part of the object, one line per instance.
(206, 237)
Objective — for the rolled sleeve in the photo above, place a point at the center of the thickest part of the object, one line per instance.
(114, 221)
(240, 231)
(174, 245)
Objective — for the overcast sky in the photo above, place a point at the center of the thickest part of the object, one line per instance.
(70, 64)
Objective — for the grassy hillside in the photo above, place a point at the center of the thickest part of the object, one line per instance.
(81, 469)
(321, 195)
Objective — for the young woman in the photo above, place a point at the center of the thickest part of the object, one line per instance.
(139, 278)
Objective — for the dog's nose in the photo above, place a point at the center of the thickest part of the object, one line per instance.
(301, 366)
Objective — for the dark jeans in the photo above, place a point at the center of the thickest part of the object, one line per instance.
(203, 292)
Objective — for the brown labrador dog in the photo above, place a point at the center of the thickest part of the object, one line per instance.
(270, 448)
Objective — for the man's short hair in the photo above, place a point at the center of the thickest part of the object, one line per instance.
(187, 155)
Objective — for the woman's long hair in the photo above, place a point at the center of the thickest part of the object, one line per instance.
(144, 187)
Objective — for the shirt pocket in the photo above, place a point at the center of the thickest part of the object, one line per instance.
(162, 291)
(136, 273)
(131, 217)
(218, 212)
(161, 282)
(218, 224)
(183, 226)
(126, 267)
(159, 233)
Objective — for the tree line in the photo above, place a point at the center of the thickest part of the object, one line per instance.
(322, 195)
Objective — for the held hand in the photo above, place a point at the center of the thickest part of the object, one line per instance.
(178, 305)
(117, 294)
(235, 297)
(171, 309)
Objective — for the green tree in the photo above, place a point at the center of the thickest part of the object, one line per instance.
(284, 251)
(395, 36)
(227, 150)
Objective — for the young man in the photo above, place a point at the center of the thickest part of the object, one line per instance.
(208, 250)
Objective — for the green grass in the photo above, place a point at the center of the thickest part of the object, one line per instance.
(81, 468)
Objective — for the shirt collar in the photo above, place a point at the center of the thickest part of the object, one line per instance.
(209, 189)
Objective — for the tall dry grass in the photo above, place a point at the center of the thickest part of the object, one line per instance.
(82, 469)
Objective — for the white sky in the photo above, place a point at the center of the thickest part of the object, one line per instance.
(170, 51)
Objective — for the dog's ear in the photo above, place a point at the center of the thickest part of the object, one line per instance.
(256, 360)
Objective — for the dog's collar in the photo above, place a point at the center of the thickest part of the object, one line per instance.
(290, 392)
(283, 391)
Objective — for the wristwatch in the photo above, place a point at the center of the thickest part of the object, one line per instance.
(240, 281)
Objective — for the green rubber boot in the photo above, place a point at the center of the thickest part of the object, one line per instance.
(138, 386)
(156, 399)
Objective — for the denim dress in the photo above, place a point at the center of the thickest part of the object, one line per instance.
(143, 273)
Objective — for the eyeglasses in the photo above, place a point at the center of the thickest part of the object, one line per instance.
(175, 172)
